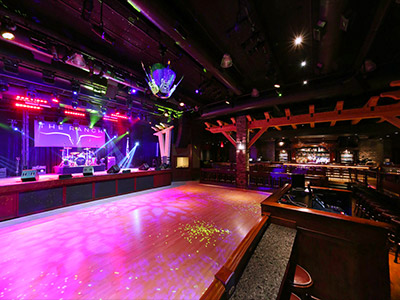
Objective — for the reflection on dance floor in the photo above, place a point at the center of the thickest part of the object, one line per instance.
(164, 244)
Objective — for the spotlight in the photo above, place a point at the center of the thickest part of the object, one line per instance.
(166, 115)
(8, 35)
(226, 61)
(196, 91)
(115, 136)
(181, 104)
(15, 129)
(137, 144)
(132, 91)
(298, 40)
(303, 63)
(103, 110)
(127, 132)
(277, 85)
(281, 143)
(74, 104)
(227, 102)
(305, 82)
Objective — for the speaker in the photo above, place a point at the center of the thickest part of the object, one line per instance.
(29, 175)
(126, 171)
(144, 167)
(113, 170)
(182, 131)
(88, 171)
(64, 176)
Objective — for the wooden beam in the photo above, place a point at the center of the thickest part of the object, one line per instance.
(333, 123)
(391, 110)
(392, 94)
(339, 106)
(355, 122)
(229, 137)
(381, 120)
(277, 127)
(392, 120)
(220, 123)
(208, 124)
(249, 118)
(395, 83)
(287, 113)
(311, 110)
(233, 121)
(372, 102)
(256, 137)
(267, 116)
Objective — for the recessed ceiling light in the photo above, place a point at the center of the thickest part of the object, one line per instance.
(277, 86)
(298, 40)
(227, 102)
(305, 82)
(8, 35)
(181, 104)
(303, 63)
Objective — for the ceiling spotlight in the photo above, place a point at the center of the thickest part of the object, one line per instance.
(226, 61)
(196, 91)
(137, 144)
(166, 114)
(277, 85)
(74, 104)
(298, 40)
(8, 35)
(305, 82)
(281, 143)
(227, 102)
(103, 110)
(303, 63)
(181, 104)
(132, 91)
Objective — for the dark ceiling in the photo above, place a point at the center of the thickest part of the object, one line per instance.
(351, 48)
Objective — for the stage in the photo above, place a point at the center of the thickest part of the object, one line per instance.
(78, 169)
(19, 198)
(165, 243)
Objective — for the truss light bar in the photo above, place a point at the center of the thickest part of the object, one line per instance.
(20, 105)
(117, 115)
(107, 118)
(74, 113)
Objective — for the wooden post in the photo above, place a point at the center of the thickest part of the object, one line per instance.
(242, 153)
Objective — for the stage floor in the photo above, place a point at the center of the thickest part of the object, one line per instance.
(165, 243)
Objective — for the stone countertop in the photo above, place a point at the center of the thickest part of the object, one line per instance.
(264, 273)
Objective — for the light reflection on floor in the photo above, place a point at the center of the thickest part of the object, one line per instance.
(165, 244)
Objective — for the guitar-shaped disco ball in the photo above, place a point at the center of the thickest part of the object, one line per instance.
(160, 80)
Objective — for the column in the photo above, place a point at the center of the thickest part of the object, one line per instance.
(242, 153)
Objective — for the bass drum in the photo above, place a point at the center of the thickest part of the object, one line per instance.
(80, 161)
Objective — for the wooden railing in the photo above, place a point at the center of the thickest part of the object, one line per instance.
(229, 274)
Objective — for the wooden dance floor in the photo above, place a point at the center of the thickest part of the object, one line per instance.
(161, 244)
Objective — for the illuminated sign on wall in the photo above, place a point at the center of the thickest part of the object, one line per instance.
(51, 134)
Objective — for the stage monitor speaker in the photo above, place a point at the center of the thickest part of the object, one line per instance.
(113, 170)
(126, 171)
(64, 176)
(29, 175)
(88, 171)
(144, 167)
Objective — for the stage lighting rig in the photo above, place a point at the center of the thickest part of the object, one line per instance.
(74, 104)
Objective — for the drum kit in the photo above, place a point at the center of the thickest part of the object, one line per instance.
(77, 159)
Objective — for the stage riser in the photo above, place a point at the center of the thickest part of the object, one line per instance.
(70, 191)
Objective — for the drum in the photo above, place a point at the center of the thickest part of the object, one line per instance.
(80, 161)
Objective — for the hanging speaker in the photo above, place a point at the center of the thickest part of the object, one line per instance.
(113, 170)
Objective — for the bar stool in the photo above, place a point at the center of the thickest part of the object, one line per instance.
(302, 279)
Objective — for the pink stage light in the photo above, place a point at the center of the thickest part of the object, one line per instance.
(117, 115)
(107, 118)
(20, 105)
(55, 100)
(31, 100)
(74, 113)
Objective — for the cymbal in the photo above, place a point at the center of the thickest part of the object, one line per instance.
(67, 147)
(86, 148)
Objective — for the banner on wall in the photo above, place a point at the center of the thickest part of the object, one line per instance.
(51, 134)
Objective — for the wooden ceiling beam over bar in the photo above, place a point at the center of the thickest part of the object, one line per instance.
(387, 112)
(311, 110)
(230, 138)
(287, 113)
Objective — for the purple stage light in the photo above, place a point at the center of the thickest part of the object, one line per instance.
(132, 91)
(197, 91)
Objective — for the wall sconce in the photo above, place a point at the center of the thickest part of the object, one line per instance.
(241, 146)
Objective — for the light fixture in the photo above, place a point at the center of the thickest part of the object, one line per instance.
(303, 63)
(255, 93)
(305, 82)
(181, 104)
(8, 35)
(132, 91)
(196, 91)
(137, 144)
(277, 85)
(298, 40)
(104, 110)
(241, 146)
(281, 143)
(226, 61)
(166, 114)
(227, 102)
(74, 113)
(74, 104)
